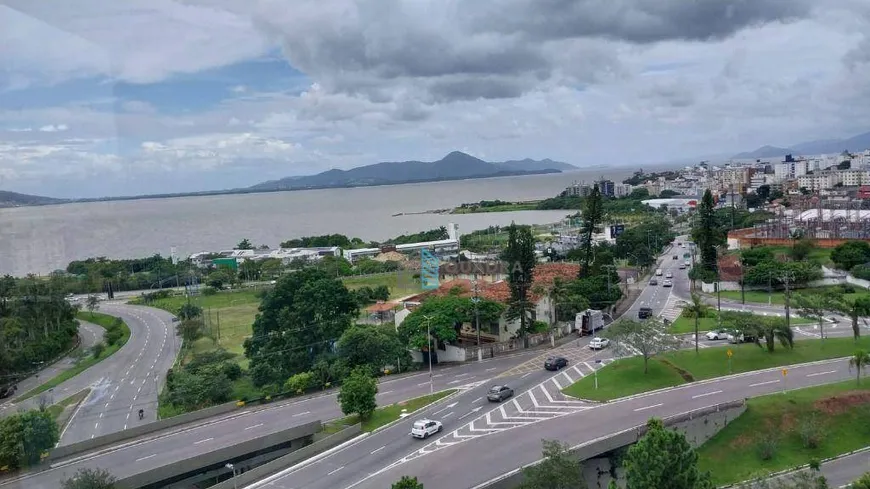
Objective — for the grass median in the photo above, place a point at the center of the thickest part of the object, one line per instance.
(387, 414)
(778, 297)
(626, 377)
(88, 361)
(684, 325)
(56, 409)
(780, 431)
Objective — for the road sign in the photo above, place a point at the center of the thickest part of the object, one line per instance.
(729, 353)
(784, 372)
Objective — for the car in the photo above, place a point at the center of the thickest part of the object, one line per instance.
(555, 363)
(424, 428)
(669, 275)
(676, 257)
(653, 281)
(688, 263)
(644, 312)
(667, 283)
(659, 272)
(174, 319)
(830, 320)
(498, 393)
(718, 334)
(599, 343)
(739, 337)
(682, 266)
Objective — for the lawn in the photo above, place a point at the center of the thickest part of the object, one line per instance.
(401, 283)
(626, 377)
(778, 297)
(387, 414)
(86, 361)
(684, 325)
(837, 412)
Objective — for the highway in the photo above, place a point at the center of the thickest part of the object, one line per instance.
(123, 383)
(159, 449)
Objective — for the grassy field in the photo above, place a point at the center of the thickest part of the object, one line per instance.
(401, 284)
(684, 325)
(818, 255)
(625, 377)
(778, 297)
(387, 414)
(86, 361)
(838, 412)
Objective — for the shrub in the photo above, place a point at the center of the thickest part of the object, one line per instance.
(98, 349)
(811, 431)
(112, 336)
(209, 291)
(232, 370)
(766, 445)
(299, 383)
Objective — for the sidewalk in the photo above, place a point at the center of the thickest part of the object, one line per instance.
(89, 335)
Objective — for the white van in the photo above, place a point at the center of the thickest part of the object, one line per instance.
(659, 272)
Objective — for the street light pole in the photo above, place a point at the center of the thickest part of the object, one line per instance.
(476, 299)
(429, 348)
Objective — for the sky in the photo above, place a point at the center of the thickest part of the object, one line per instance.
(101, 97)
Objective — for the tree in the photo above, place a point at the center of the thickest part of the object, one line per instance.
(519, 254)
(446, 316)
(853, 308)
(851, 253)
(373, 347)
(407, 482)
(859, 360)
(862, 483)
(801, 249)
(189, 310)
(649, 337)
(559, 469)
(698, 309)
(814, 306)
(190, 330)
(663, 458)
(90, 479)
(357, 395)
(200, 388)
(592, 215)
(299, 320)
(244, 244)
(92, 303)
(25, 436)
(707, 233)
(771, 329)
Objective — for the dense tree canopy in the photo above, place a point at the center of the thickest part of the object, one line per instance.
(663, 458)
(850, 254)
(519, 256)
(371, 346)
(446, 315)
(25, 436)
(299, 320)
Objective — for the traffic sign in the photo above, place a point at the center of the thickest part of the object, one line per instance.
(784, 372)
(729, 353)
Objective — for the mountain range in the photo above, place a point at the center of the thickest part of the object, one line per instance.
(14, 199)
(455, 166)
(822, 146)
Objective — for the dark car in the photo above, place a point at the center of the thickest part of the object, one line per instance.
(676, 257)
(555, 363)
(644, 312)
(653, 281)
(499, 393)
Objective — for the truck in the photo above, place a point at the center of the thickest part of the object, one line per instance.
(588, 321)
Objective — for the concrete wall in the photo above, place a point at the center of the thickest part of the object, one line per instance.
(290, 459)
(218, 456)
(698, 426)
(135, 432)
(451, 354)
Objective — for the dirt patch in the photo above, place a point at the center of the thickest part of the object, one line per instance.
(841, 403)
(685, 374)
(743, 441)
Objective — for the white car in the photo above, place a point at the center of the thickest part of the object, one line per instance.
(667, 283)
(669, 275)
(717, 335)
(598, 343)
(423, 428)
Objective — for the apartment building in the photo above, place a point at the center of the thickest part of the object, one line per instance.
(819, 181)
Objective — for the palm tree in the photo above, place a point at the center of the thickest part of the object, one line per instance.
(860, 359)
(771, 329)
(698, 309)
(853, 308)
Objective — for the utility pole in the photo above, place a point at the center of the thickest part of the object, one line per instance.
(787, 277)
(429, 347)
(476, 299)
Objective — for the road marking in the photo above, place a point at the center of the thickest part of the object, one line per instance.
(378, 449)
(301, 414)
(107, 405)
(336, 470)
(478, 408)
(146, 458)
(491, 369)
(461, 375)
(764, 383)
(438, 375)
(125, 426)
(252, 427)
(445, 408)
(454, 382)
(822, 373)
(448, 414)
(422, 383)
(101, 415)
(706, 394)
(97, 425)
(648, 407)
(385, 392)
(526, 375)
(202, 441)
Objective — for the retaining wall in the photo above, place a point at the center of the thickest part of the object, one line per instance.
(290, 459)
(218, 456)
(698, 426)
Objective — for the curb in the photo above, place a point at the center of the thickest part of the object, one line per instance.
(796, 469)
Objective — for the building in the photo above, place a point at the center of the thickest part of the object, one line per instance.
(607, 188)
(442, 248)
(622, 190)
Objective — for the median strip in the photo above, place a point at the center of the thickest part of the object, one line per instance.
(387, 415)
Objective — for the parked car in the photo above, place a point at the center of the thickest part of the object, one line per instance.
(739, 337)
(667, 283)
(644, 312)
(555, 363)
(719, 334)
(424, 428)
(599, 343)
(653, 281)
(498, 393)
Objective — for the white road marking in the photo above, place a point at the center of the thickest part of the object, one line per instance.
(203, 441)
(97, 425)
(764, 383)
(336, 470)
(301, 414)
(453, 382)
(707, 394)
(448, 414)
(648, 407)
(378, 449)
(385, 392)
(101, 415)
(526, 375)
(491, 369)
(822, 373)
(252, 427)
(146, 458)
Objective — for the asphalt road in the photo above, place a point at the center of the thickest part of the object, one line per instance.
(474, 461)
(844, 471)
(125, 382)
(170, 446)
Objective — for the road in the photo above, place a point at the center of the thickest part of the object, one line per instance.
(123, 383)
(159, 449)
(844, 471)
